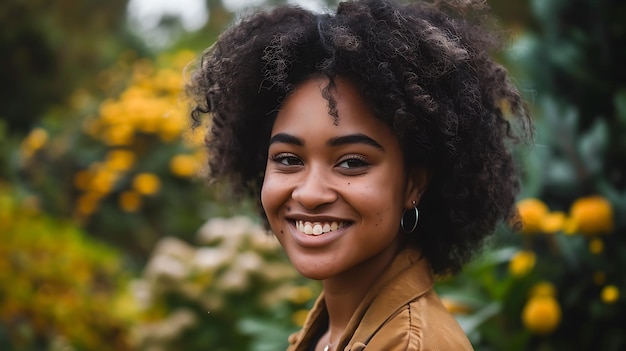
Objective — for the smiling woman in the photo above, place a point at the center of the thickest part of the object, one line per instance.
(348, 175)
(374, 140)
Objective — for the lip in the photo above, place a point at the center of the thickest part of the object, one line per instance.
(312, 241)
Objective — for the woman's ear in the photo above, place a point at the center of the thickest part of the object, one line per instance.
(417, 182)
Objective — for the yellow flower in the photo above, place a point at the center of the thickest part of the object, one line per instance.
(170, 128)
(82, 179)
(596, 246)
(146, 183)
(119, 135)
(593, 215)
(299, 317)
(522, 263)
(609, 294)
(120, 160)
(541, 314)
(569, 226)
(184, 165)
(543, 289)
(103, 181)
(87, 204)
(35, 140)
(197, 137)
(300, 295)
(553, 222)
(130, 201)
(532, 212)
(183, 58)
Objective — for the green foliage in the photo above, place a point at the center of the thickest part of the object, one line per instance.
(573, 60)
(60, 289)
(558, 283)
(49, 49)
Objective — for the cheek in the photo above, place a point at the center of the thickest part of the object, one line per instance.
(381, 201)
(273, 194)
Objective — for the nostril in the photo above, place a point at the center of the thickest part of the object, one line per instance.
(315, 198)
(314, 190)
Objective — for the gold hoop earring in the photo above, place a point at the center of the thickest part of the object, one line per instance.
(412, 222)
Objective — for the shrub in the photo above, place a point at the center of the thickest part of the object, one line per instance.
(60, 287)
(234, 290)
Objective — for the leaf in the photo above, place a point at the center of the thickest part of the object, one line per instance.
(620, 105)
(268, 336)
(472, 322)
(592, 146)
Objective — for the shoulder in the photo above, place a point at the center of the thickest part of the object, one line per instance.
(423, 324)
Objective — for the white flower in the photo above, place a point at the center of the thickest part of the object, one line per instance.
(142, 292)
(181, 319)
(278, 271)
(229, 231)
(248, 262)
(264, 241)
(163, 266)
(233, 280)
(209, 258)
(168, 329)
(175, 247)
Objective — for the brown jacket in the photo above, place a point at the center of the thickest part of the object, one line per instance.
(400, 312)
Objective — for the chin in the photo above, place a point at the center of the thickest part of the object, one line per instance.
(313, 273)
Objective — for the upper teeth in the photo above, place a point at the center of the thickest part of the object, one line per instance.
(318, 228)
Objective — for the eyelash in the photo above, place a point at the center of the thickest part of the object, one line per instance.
(358, 158)
(284, 156)
(279, 158)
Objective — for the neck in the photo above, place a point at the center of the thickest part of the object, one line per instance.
(341, 303)
(344, 293)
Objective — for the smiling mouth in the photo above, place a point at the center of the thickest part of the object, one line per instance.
(318, 228)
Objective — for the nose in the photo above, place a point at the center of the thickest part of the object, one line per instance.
(314, 190)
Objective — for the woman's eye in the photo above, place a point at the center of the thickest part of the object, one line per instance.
(287, 160)
(352, 163)
(290, 161)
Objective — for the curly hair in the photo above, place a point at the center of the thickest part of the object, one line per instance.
(425, 70)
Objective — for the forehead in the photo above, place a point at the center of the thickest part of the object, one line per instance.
(307, 108)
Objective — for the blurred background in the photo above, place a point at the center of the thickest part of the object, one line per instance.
(111, 240)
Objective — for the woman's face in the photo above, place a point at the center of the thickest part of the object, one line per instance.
(334, 192)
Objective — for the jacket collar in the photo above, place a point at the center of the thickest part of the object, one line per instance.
(406, 278)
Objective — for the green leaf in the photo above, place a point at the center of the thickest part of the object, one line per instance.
(620, 105)
(471, 322)
(592, 146)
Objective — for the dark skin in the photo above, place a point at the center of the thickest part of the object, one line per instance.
(350, 171)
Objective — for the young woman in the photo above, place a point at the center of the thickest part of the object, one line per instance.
(375, 142)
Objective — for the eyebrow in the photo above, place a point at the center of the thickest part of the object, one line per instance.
(357, 138)
(286, 138)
